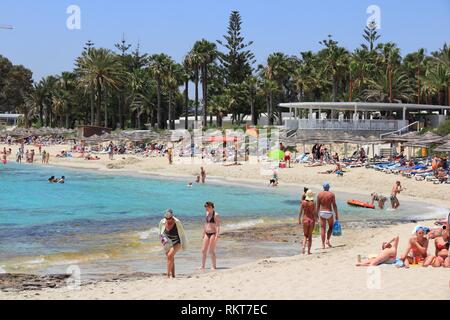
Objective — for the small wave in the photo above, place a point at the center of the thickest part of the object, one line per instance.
(145, 235)
(2, 270)
(243, 224)
(36, 261)
(433, 213)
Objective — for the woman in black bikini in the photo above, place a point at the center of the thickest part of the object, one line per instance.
(211, 233)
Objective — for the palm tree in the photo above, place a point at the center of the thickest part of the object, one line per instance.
(28, 109)
(36, 99)
(416, 63)
(207, 52)
(273, 73)
(390, 59)
(437, 78)
(158, 68)
(268, 88)
(194, 61)
(335, 63)
(172, 81)
(390, 86)
(98, 69)
(187, 75)
(251, 86)
(66, 82)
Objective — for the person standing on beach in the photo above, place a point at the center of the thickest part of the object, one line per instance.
(203, 175)
(172, 238)
(211, 232)
(308, 217)
(170, 155)
(326, 204)
(396, 189)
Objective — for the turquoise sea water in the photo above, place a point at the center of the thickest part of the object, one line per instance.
(106, 218)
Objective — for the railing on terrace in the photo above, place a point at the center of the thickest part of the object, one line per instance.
(355, 125)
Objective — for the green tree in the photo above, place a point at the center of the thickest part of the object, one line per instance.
(237, 61)
(98, 69)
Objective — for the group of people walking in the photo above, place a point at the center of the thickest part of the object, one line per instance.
(324, 210)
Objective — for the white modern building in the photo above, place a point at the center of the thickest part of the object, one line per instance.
(364, 116)
(9, 119)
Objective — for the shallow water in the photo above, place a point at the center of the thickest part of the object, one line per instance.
(107, 223)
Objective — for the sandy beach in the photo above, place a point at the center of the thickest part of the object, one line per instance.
(327, 274)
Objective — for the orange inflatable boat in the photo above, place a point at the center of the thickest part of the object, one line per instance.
(361, 204)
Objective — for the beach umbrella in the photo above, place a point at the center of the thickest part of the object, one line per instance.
(276, 154)
(443, 148)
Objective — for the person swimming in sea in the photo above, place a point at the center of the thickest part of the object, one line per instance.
(62, 180)
(52, 179)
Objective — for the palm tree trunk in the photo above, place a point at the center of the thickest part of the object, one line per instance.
(99, 102)
(41, 115)
(159, 110)
(92, 106)
(186, 102)
(196, 93)
(205, 94)
(121, 111)
(448, 95)
(170, 111)
(390, 86)
(106, 110)
(270, 109)
(252, 111)
(351, 91)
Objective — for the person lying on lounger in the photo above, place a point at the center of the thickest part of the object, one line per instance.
(387, 255)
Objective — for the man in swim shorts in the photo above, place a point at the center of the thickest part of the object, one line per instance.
(326, 205)
(396, 189)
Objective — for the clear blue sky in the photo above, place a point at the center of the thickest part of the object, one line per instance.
(42, 42)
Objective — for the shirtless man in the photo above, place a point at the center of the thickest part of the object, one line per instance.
(396, 189)
(326, 204)
(203, 175)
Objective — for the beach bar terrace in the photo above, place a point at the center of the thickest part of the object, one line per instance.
(361, 116)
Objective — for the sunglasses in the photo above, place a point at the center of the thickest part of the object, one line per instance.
(169, 219)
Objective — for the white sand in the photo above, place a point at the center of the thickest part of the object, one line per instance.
(328, 274)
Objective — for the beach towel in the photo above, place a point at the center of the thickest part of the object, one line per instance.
(181, 233)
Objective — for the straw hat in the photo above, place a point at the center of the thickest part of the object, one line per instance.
(309, 195)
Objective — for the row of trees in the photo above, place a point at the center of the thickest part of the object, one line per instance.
(129, 89)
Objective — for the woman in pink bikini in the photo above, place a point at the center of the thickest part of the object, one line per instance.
(211, 233)
(416, 252)
(308, 217)
(441, 258)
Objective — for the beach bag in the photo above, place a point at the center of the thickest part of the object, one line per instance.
(316, 229)
(337, 229)
(166, 242)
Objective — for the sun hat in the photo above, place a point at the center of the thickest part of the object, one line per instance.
(326, 186)
(168, 214)
(309, 195)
